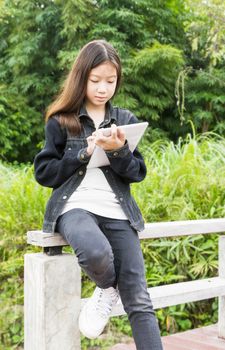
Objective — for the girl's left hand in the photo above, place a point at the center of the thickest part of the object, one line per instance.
(114, 141)
(91, 144)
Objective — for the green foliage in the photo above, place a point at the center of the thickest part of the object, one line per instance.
(18, 212)
(206, 31)
(29, 36)
(156, 40)
(154, 70)
(39, 41)
(206, 100)
(186, 174)
(184, 181)
(201, 96)
(16, 128)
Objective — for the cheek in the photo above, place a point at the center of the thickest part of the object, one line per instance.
(90, 89)
(113, 88)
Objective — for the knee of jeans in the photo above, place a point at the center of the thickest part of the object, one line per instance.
(98, 260)
(136, 300)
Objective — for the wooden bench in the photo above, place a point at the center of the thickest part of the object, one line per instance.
(52, 291)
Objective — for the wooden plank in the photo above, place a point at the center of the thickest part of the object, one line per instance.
(43, 239)
(179, 293)
(152, 230)
(184, 292)
(182, 228)
(204, 338)
(121, 346)
(221, 322)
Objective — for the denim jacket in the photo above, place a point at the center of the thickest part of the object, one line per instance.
(62, 164)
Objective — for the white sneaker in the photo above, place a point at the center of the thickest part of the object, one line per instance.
(96, 312)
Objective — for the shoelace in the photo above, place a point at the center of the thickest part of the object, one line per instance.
(104, 303)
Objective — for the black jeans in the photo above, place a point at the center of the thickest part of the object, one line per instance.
(109, 251)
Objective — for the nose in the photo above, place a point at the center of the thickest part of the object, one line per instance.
(102, 88)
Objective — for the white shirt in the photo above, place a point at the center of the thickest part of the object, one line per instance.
(95, 195)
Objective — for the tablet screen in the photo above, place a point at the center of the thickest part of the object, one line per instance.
(133, 133)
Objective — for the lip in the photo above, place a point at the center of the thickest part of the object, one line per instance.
(100, 97)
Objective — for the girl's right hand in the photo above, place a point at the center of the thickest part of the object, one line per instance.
(91, 144)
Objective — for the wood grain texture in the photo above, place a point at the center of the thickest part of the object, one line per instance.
(152, 230)
(204, 338)
(179, 293)
(222, 297)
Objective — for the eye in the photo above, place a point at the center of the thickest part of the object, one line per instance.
(94, 81)
(111, 82)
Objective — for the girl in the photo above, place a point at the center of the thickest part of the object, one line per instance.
(92, 208)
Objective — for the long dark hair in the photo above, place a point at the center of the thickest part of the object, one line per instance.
(71, 97)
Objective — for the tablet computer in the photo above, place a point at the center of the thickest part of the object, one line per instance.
(133, 132)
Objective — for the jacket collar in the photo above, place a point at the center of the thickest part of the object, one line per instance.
(110, 114)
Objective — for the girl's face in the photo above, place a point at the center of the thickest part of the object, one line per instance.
(101, 84)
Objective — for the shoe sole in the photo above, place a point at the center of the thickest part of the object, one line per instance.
(82, 322)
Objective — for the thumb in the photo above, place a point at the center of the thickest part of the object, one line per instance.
(121, 134)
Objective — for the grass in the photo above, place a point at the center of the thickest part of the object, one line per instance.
(185, 181)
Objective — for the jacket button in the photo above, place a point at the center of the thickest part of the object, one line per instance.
(121, 199)
(82, 156)
(69, 149)
(115, 153)
(64, 197)
(80, 172)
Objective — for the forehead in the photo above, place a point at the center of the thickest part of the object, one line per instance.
(106, 69)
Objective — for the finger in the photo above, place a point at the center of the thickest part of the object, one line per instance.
(98, 133)
(113, 131)
(121, 134)
(100, 136)
(90, 138)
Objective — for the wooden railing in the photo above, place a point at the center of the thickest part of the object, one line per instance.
(52, 295)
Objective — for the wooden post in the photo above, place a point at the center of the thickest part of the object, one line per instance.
(52, 292)
(221, 323)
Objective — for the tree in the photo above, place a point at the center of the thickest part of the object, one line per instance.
(29, 34)
(40, 40)
(204, 76)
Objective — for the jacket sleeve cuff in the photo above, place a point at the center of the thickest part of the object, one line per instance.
(120, 152)
(83, 156)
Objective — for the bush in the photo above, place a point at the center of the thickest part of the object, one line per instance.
(185, 181)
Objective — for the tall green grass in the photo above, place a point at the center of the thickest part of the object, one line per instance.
(22, 203)
(184, 181)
